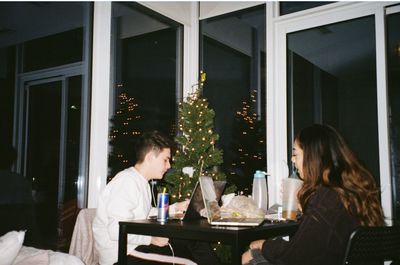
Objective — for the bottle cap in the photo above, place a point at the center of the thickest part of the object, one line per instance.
(260, 174)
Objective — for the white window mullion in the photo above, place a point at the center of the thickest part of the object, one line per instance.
(276, 105)
(98, 149)
(278, 127)
(384, 148)
(191, 51)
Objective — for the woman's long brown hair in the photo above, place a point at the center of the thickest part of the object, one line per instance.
(328, 161)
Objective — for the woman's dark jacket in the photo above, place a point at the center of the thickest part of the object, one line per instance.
(322, 235)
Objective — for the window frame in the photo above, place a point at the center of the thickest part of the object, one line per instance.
(277, 132)
(102, 83)
(277, 27)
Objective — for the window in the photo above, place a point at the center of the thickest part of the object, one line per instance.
(332, 80)
(44, 87)
(146, 81)
(233, 57)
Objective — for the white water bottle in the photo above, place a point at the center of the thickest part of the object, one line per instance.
(260, 190)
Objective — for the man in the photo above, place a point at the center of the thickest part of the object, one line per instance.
(128, 196)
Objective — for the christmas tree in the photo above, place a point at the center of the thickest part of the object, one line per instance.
(123, 134)
(197, 154)
(249, 142)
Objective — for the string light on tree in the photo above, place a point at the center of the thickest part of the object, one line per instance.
(124, 131)
(249, 142)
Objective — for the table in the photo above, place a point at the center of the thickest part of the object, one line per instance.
(238, 237)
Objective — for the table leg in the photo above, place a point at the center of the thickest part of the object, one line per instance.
(236, 253)
(122, 245)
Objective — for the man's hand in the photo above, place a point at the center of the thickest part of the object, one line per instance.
(257, 244)
(159, 241)
(182, 206)
(246, 257)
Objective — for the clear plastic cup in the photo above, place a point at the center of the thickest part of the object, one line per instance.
(290, 204)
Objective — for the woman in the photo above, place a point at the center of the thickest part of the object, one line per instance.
(338, 195)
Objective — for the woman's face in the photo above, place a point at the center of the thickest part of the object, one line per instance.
(297, 158)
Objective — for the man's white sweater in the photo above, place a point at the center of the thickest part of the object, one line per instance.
(126, 197)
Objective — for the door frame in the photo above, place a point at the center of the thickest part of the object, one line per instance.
(62, 133)
(59, 73)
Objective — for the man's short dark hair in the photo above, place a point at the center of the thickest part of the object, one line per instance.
(151, 141)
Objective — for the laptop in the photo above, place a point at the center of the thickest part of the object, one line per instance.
(210, 200)
(196, 202)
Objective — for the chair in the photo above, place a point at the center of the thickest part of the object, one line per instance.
(373, 245)
(66, 222)
(82, 242)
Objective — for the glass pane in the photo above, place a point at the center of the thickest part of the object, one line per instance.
(296, 6)
(145, 87)
(7, 90)
(51, 32)
(332, 80)
(393, 55)
(233, 54)
(73, 138)
(43, 154)
(54, 50)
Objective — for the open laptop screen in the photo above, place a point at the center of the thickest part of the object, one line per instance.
(196, 203)
(213, 210)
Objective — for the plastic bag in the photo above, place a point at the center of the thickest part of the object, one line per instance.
(241, 207)
(235, 207)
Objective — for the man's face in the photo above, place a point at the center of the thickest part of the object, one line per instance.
(159, 164)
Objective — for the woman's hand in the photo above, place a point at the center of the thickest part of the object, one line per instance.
(159, 241)
(246, 257)
(257, 244)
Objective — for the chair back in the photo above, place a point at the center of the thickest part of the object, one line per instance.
(82, 242)
(373, 245)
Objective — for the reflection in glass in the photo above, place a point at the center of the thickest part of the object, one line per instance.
(332, 80)
(233, 56)
(145, 79)
(393, 56)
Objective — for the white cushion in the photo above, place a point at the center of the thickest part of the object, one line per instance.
(10, 244)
